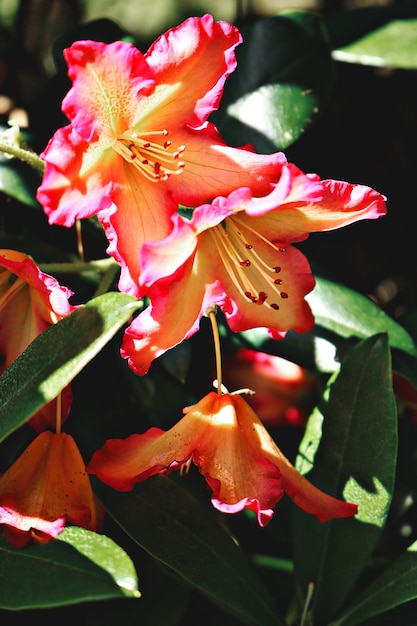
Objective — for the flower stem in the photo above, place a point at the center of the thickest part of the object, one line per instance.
(27, 156)
(100, 265)
(212, 315)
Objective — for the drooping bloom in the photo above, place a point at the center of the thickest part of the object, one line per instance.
(284, 392)
(45, 488)
(237, 253)
(241, 463)
(139, 142)
(30, 301)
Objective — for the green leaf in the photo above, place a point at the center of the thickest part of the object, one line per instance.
(397, 584)
(350, 314)
(392, 45)
(174, 528)
(57, 355)
(18, 181)
(78, 566)
(283, 82)
(350, 446)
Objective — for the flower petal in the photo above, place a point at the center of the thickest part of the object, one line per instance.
(109, 82)
(191, 63)
(45, 485)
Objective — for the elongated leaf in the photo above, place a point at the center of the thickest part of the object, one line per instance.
(396, 585)
(283, 82)
(392, 45)
(56, 356)
(350, 314)
(351, 441)
(174, 528)
(18, 181)
(77, 566)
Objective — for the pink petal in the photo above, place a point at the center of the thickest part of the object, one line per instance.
(191, 63)
(109, 81)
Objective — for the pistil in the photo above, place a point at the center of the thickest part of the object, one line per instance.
(156, 160)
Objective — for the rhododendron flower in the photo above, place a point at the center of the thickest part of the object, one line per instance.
(139, 142)
(237, 253)
(241, 463)
(283, 391)
(30, 301)
(45, 488)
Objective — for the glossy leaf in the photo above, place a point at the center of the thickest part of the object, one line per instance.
(18, 181)
(391, 45)
(174, 528)
(283, 82)
(350, 314)
(350, 450)
(397, 584)
(78, 566)
(56, 356)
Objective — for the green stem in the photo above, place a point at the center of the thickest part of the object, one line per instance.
(100, 265)
(27, 156)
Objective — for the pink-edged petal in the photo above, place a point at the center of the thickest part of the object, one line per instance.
(300, 213)
(308, 497)
(191, 63)
(240, 461)
(79, 178)
(50, 298)
(46, 485)
(166, 322)
(109, 80)
(303, 493)
(127, 228)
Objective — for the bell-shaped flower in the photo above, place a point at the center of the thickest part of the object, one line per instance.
(46, 488)
(30, 301)
(236, 253)
(139, 143)
(228, 443)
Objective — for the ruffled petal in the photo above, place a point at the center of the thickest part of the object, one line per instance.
(313, 206)
(79, 178)
(166, 322)
(191, 63)
(109, 81)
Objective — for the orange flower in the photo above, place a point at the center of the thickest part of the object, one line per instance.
(240, 461)
(30, 301)
(46, 487)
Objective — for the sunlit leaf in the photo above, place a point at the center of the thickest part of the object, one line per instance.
(391, 45)
(57, 355)
(350, 314)
(173, 527)
(283, 82)
(78, 566)
(350, 450)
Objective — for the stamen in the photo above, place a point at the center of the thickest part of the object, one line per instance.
(156, 161)
(253, 277)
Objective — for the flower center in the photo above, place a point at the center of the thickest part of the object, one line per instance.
(156, 160)
(254, 278)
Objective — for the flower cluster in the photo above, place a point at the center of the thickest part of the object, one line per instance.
(195, 225)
